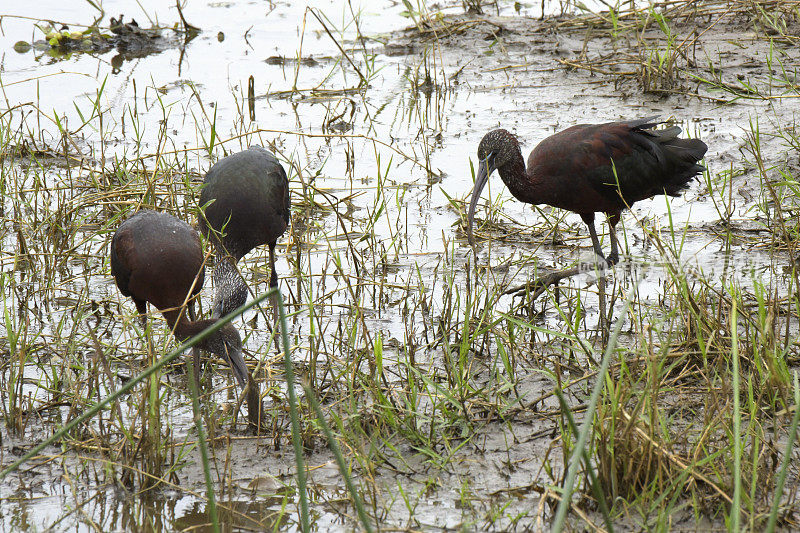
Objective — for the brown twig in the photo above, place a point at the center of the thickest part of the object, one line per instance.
(347, 57)
(188, 28)
(539, 285)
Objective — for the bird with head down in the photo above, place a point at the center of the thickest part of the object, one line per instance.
(158, 259)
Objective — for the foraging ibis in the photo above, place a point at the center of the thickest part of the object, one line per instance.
(157, 258)
(591, 168)
(246, 200)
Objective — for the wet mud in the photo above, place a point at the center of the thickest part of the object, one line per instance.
(440, 388)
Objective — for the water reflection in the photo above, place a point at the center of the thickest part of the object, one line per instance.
(115, 509)
(235, 515)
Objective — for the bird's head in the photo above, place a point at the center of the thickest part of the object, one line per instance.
(228, 344)
(497, 149)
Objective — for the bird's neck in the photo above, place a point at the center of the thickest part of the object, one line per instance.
(231, 288)
(525, 185)
(185, 329)
(516, 178)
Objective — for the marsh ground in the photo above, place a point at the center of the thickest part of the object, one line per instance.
(443, 392)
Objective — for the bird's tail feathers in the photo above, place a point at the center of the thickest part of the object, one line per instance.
(684, 155)
(668, 134)
(682, 180)
(644, 123)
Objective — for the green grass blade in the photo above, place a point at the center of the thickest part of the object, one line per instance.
(305, 523)
(337, 453)
(114, 396)
(787, 455)
(583, 436)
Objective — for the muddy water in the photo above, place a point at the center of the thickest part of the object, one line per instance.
(400, 147)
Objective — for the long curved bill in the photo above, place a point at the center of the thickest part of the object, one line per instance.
(480, 182)
(236, 361)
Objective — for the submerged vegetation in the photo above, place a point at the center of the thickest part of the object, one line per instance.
(415, 383)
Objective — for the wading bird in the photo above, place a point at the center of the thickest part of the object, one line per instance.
(246, 201)
(157, 258)
(591, 168)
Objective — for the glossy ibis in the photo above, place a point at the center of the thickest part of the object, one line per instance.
(591, 168)
(246, 200)
(157, 258)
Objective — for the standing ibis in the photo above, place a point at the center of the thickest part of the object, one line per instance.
(591, 168)
(246, 201)
(157, 258)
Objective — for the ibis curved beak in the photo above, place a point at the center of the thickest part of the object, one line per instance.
(485, 168)
(236, 361)
(218, 308)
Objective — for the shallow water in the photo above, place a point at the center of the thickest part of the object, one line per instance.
(400, 147)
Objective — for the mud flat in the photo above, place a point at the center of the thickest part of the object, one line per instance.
(452, 404)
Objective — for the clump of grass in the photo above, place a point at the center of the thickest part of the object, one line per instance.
(417, 359)
(631, 447)
(658, 67)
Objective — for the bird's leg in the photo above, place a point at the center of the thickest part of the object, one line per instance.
(589, 220)
(196, 367)
(141, 308)
(196, 361)
(603, 324)
(613, 218)
(273, 283)
(255, 411)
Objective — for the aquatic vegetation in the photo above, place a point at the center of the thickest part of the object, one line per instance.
(416, 383)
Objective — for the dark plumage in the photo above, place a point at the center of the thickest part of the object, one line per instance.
(157, 258)
(592, 168)
(246, 199)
